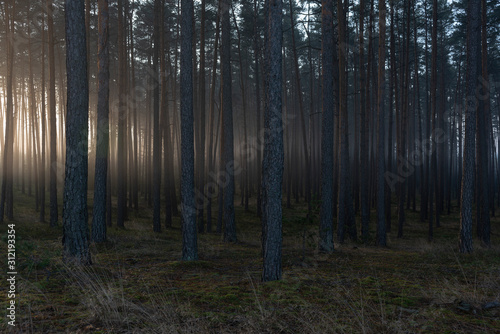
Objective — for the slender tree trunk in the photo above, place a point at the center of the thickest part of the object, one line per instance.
(201, 135)
(244, 152)
(135, 134)
(258, 107)
(381, 227)
(272, 165)
(326, 215)
(6, 196)
(102, 149)
(364, 168)
(227, 125)
(473, 71)
(44, 130)
(156, 122)
(122, 120)
(212, 147)
(433, 92)
(75, 228)
(168, 165)
(52, 118)
(307, 178)
(483, 206)
(369, 118)
(404, 124)
(346, 208)
(189, 237)
(33, 114)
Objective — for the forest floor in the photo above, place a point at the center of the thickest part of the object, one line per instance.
(137, 283)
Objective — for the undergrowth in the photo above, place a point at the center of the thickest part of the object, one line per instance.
(138, 284)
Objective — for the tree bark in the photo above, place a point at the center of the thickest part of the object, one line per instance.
(52, 118)
(75, 229)
(227, 125)
(122, 120)
(326, 215)
(188, 208)
(272, 165)
(381, 227)
(6, 196)
(156, 122)
(473, 71)
(102, 147)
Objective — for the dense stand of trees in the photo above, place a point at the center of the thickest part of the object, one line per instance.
(227, 102)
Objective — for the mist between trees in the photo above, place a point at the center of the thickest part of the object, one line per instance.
(353, 107)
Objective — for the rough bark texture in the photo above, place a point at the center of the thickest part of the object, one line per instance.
(272, 165)
(102, 149)
(381, 228)
(75, 228)
(156, 122)
(364, 170)
(189, 237)
(257, 105)
(6, 197)
(202, 145)
(404, 123)
(326, 215)
(433, 205)
(346, 206)
(483, 115)
(122, 121)
(473, 66)
(168, 166)
(307, 179)
(212, 146)
(227, 123)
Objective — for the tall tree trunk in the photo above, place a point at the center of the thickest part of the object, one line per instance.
(364, 168)
(135, 133)
(326, 215)
(188, 208)
(307, 178)
(52, 119)
(346, 208)
(156, 122)
(272, 165)
(244, 152)
(168, 165)
(258, 107)
(473, 71)
(102, 148)
(212, 147)
(404, 124)
(381, 227)
(33, 114)
(6, 196)
(44, 129)
(419, 148)
(122, 120)
(75, 228)
(227, 125)
(201, 135)
(483, 206)
(433, 171)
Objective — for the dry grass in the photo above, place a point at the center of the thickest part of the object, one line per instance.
(138, 285)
